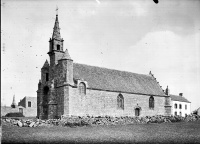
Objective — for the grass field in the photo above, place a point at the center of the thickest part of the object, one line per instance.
(181, 132)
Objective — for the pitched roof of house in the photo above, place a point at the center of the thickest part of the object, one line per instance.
(179, 98)
(115, 80)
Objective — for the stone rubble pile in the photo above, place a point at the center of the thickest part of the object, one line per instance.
(75, 121)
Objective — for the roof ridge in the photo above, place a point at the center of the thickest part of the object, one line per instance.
(179, 97)
(113, 69)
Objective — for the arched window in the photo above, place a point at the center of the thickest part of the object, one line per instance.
(175, 106)
(151, 102)
(180, 106)
(120, 101)
(82, 89)
(137, 112)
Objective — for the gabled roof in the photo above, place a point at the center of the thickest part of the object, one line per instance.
(115, 80)
(179, 98)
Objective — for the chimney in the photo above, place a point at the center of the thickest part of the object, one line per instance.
(180, 94)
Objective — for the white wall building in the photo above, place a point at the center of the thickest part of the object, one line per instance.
(198, 111)
(180, 105)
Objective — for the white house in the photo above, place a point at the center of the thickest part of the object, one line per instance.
(198, 111)
(180, 105)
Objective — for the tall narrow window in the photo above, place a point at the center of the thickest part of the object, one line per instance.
(180, 114)
(185, 106)
(29, 104)
(47, 76)
(175, 106)
(82, 89)
(58, 47)
(175, 113)
(180, 106)
(151, 102)
(137, 112)
(120, 101)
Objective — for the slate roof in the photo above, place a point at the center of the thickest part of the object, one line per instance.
(179, 98)
(115, 80)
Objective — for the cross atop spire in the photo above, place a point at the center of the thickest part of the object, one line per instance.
(56, 10)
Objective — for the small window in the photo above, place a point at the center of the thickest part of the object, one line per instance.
(58, 47)
(180, 106)
(185, 106)
(21, 110)
(151, 102)
(120, 101)
(47, 76)
(175, 106)
(175, 113)
(29, 104)
(82, 89)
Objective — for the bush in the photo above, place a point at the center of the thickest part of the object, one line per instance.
(15, 114)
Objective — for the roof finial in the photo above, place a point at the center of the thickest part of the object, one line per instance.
(150, 72)
(13, 105)
(167, 91)
(56, 10)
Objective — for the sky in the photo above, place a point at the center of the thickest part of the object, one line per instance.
(137, 36)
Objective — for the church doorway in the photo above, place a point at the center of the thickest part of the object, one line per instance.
(45, 102)
(137, 112)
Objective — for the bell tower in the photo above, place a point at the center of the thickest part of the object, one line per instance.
(55, 47)
(56, 42)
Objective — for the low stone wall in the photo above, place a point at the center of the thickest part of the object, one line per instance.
(74, 121)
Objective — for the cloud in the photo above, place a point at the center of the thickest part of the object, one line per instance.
(98, 1)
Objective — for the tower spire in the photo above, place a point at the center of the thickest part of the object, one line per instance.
(56, 29)
(13, 105)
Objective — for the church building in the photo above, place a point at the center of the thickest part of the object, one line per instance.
(67, 88)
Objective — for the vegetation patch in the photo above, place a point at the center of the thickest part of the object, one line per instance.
(14, 114)
(178, 132)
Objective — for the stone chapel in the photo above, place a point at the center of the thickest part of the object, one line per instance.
(68, 88)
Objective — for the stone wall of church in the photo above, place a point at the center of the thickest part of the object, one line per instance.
(62, 100)
(97, 102)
